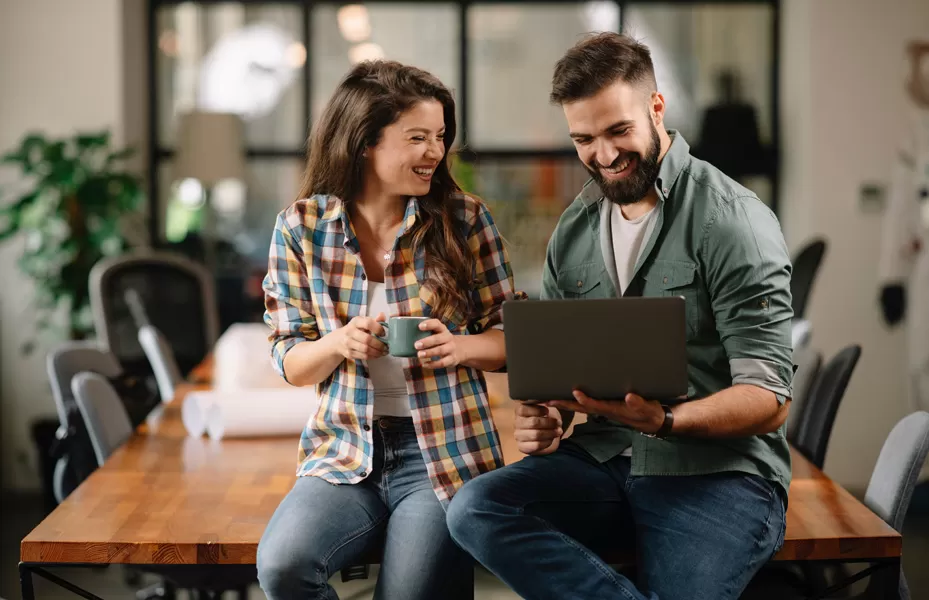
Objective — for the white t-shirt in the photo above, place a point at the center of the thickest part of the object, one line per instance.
(390, 396)
(628, 242)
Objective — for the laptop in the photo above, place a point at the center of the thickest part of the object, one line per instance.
(604, 347)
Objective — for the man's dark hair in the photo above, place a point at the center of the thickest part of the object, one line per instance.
(599, 61)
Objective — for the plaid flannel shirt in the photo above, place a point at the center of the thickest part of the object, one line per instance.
(316, 284)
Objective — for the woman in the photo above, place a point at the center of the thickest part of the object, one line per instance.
(383, 231)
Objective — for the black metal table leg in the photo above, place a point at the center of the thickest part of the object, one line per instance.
(25, 582)
(893, 578)
(27, 570)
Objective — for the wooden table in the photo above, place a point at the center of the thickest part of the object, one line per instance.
(168, 499)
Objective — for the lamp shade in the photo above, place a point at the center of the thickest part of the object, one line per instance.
(210, 147)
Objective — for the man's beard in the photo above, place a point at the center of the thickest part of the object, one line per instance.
(637, 184)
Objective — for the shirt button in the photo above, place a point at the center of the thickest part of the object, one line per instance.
(367, 427)
(580, 283)
(665, 191)
(364, 473)
(363, 276)
(764, 304)
(665, 280)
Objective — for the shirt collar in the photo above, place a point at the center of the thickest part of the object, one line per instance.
(335, 211)
(674, 161)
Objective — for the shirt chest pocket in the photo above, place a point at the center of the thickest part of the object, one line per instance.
(671, 278)
(582, 281)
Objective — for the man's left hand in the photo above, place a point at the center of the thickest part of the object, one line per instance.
(635, 411)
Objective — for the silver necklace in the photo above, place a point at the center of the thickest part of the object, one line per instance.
(386, 252)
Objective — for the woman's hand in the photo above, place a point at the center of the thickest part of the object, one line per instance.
(356, 340)
(443, 348)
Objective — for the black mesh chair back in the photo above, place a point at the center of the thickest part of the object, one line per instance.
(822, 404)
(165, 290)
(805, 268)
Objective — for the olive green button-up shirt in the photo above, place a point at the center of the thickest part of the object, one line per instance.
(717, 245)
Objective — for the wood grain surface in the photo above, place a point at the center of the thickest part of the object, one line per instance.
(166, 498)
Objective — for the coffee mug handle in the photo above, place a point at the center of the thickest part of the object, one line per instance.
(386, 327)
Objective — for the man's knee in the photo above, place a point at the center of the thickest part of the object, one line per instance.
(469, 510)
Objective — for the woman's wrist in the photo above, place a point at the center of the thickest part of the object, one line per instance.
(465, 345)
(483, 351)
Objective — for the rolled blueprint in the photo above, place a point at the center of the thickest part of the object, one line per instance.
(252, 412)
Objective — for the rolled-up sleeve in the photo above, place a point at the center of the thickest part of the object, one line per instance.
(493, 274)
(288, 301)
(748, 270)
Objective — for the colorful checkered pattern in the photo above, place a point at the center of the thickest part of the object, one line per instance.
(316, 284)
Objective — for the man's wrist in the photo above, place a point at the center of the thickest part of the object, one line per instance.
(663, 424)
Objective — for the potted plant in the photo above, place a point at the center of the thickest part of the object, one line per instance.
(70, 206)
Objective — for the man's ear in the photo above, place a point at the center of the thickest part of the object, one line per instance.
(656, 108)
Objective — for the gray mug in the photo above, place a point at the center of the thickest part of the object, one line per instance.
(402, 334)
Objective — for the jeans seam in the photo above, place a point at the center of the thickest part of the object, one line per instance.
(756, 547)
(354, 535)
(591, 558)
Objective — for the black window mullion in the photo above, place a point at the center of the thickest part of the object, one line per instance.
(308, 7)
(154, 218)
(463, 83)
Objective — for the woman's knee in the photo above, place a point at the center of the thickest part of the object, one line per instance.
(288, 569)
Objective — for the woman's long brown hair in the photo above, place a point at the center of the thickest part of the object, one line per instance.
(372, 96)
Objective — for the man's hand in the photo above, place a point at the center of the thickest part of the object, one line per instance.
(537, 429)
(642, 415)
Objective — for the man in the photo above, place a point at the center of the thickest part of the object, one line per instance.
(699, 487)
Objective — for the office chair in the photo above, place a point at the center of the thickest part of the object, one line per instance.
(805, 268)
(73, 449)
(108, 424)
(161, 358)
(888, 494)
(809, 362)
(801, 333)
(893, 481)
(165, 290)
(819, 409)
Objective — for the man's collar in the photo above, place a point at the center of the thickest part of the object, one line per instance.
(671, 166)
(673, 163)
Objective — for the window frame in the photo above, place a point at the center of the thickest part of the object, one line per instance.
(157, 153)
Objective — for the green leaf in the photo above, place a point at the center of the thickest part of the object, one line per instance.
(13, 156)
(93, 140)
(120, 155)
(54, 152)
(9, 223)
(32, 151)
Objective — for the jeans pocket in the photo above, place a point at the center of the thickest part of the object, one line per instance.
(760, 485)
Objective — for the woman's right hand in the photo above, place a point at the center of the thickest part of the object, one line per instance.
(356, 340)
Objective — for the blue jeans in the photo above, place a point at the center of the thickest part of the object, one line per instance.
(538, 525)
(319, 528)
